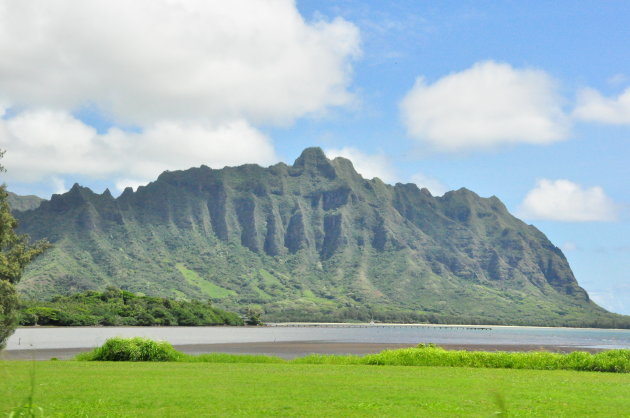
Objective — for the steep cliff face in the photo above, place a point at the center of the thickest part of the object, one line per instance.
(310, 241)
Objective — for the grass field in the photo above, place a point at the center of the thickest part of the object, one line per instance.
(143, 349)
(73, 388)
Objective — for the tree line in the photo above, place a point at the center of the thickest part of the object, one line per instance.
(116, 307)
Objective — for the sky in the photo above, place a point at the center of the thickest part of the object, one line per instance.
(527, 101)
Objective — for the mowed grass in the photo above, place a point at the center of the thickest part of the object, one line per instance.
(73, 388)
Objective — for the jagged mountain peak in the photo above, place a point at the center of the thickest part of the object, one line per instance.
(313, 161)
(311, 155)
(312, 239)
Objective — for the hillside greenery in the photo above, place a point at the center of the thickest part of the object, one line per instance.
(309, 242)
(119, 307)
(22, 203)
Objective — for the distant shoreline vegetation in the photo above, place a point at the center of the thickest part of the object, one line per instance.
(116, 307)
(364, 314)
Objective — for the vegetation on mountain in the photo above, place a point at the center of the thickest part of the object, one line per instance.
(120, 307)
(312, 242)
(22, 203)
(15, 254)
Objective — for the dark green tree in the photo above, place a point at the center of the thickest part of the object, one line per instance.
(15, 253)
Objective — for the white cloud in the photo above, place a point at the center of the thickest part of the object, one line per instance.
(435, 186)
(569, 246)
(193, 76)
(176, 145)
(563, 200)
(617, 79)
(122, 184)
(143, 61)
(484, 106)
(59, 185)
(369, 166)
(45, 143)
(593, 107)
(42, 143)
(614, 299)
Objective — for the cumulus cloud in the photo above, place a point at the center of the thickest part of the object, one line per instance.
(41, 142)
(193, 77)
(486, 105)
(368, 165)
(563, 200)
(593, 107)
(147, 60)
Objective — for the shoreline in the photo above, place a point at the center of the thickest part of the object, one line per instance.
(327, 324)
(292, 349)
(395, 324)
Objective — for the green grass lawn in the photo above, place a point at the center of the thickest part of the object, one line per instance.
(73, 388)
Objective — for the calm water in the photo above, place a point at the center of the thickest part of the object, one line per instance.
(62, 338)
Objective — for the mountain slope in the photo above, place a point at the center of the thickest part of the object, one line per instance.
(310, 241)
(22, 203)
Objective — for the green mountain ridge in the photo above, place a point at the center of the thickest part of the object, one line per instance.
(311, 241)
(22, 203)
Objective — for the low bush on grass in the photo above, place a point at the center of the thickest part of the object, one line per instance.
(132, 349)
(140, 349)
(607, 361)
(144, 349)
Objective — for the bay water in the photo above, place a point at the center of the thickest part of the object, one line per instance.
(34, 338)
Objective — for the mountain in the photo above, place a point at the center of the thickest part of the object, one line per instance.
(22, 203)
(311, 241)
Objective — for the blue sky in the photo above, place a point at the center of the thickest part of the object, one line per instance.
(528, 101)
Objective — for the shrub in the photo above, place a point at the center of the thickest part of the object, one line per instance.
(133, 349)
